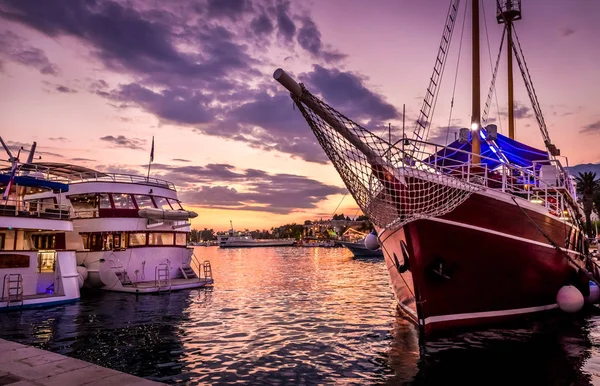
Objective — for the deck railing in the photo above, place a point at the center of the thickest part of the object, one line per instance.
(34, 208)
(117, 177)
(74, 177)
(544, 182)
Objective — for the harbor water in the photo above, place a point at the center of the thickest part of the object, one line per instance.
(304, 316)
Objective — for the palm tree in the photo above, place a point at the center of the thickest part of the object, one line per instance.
(587, 184)
(597, 201)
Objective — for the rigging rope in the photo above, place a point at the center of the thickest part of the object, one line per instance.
(493, 85)
(423, 122)
(428, 124)
(347, 191)
(491, 92)
(531, 91)
(456, 74)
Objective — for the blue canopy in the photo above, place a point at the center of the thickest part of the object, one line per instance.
(501, 150)
(34, 182)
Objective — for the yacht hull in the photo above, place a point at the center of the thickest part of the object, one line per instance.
(140, 266)
(483, 262)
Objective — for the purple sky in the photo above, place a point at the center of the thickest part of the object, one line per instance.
(93, 81)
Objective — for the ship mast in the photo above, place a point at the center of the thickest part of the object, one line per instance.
(476, 107)
(507, 12)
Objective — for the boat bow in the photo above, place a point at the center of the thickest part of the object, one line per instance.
(391, 186)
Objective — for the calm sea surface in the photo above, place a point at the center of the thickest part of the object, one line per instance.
(301, 316)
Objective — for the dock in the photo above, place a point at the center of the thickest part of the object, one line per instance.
(28, 366)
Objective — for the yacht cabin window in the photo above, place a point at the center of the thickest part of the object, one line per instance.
(143, 202)
(123, 201)
(104, 201)
(47, 241)
(162, 203)
(104, 241)
(180, 238)
(175, 204)
(160, 238)
(137, 239)
(84, 201)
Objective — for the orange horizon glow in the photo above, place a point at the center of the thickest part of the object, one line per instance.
(390, 47)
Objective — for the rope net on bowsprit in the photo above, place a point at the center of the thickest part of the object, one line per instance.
(391, 187)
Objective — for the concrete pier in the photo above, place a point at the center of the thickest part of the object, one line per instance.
(22, 365)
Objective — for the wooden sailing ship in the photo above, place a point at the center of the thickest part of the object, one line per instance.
(484, 229)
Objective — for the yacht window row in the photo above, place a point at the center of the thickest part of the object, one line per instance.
(97, 241)
(87, 205)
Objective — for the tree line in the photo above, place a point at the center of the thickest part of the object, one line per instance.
(292, 230)
(588, 189)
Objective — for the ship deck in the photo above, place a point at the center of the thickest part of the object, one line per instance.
(151, 286)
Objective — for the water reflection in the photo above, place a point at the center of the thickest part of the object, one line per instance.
(300, 316)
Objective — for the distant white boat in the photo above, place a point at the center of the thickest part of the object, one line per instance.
(233, 239)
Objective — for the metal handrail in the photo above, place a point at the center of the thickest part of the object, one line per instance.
(118, 177)
(525, 182)
(34, 208)
(45, 172)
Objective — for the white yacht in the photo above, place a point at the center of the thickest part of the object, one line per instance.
(130, 231)
(237, 239)
(36, 267)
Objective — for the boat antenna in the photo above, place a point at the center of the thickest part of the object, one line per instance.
(151, 159)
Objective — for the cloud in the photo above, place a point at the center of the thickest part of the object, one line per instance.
(201, 65)
(181, 160)
(567, 31)
(309, 38)
(26, 148)
(16, 49)
(592, 128)
(347, 93)
(58, 139)
(98, 85)
(270, 123)
(178, 105)
(82, 159)
(65, 89)
(232, 9)
(261, 25)
(285, 26)
(144, 43)
(49, 153)
(122, 141)
(118, 169)
(520, 111)
(255, 189)
(443, 135)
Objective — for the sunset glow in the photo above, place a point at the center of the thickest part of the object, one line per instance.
(92, 82)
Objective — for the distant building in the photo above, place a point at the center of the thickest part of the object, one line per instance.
(329, 228)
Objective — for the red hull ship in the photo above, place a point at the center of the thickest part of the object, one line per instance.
(481, 230)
